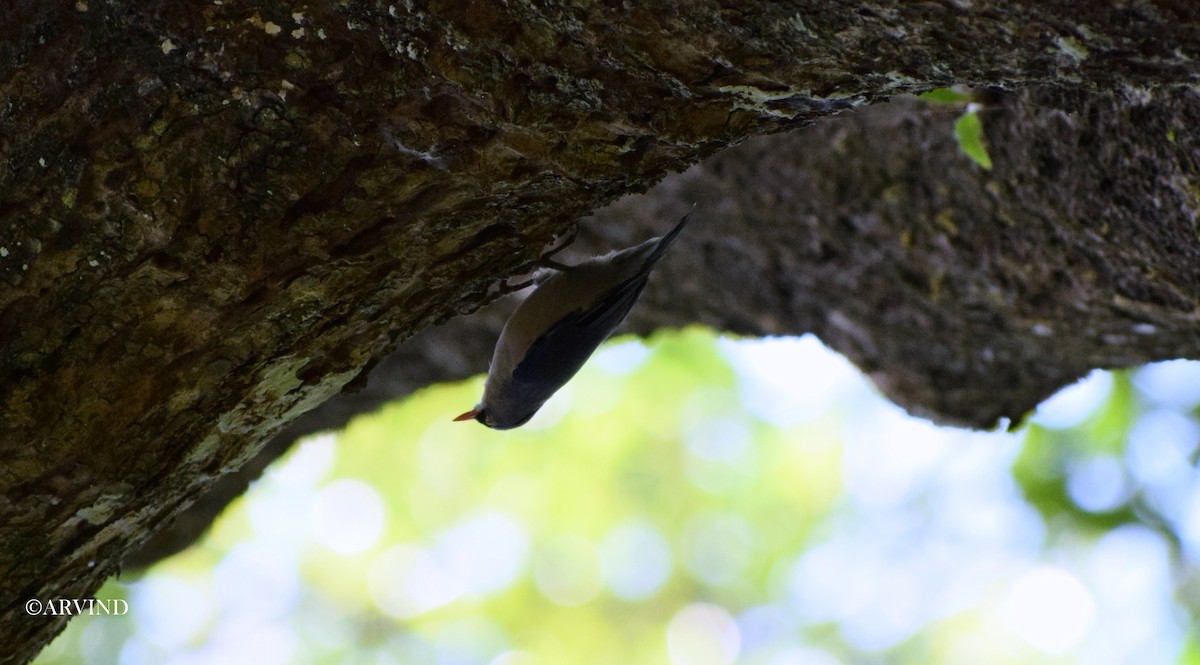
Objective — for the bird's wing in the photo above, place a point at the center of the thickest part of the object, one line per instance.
(557, 355)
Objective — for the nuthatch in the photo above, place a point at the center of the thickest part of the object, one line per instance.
(555, 330)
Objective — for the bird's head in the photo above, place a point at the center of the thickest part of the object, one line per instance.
(486, 417)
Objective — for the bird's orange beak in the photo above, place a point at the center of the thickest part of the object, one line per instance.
(470, 415)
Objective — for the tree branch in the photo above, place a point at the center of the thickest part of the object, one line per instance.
(214, 216)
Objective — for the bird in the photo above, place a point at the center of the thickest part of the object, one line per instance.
(554, 331)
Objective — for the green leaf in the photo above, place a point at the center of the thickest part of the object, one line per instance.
(969, 132)
(945, 96)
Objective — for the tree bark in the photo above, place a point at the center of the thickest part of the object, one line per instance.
(968, 295)
(216, 216)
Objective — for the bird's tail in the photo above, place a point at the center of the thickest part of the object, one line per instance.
(664, 243)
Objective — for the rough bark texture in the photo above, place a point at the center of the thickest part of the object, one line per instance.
(212, 217)
(967, 295)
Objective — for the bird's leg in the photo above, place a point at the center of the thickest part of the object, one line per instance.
(546, 262)
(505, 288)
(545, 259)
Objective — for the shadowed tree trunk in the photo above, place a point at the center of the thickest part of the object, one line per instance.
(216, 216)
(874, 231)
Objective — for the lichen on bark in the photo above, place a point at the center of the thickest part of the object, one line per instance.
(214, 215)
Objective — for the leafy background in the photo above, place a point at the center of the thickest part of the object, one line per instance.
(699, 501)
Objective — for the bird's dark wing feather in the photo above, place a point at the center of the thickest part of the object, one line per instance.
(557, 355)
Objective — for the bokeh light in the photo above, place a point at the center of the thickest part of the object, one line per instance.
(703, 634)
(635, 559)
(1048, 608)
(698, 501)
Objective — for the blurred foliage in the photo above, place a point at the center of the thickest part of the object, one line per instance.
(706, 502)
(968, 128)
(948, 96)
